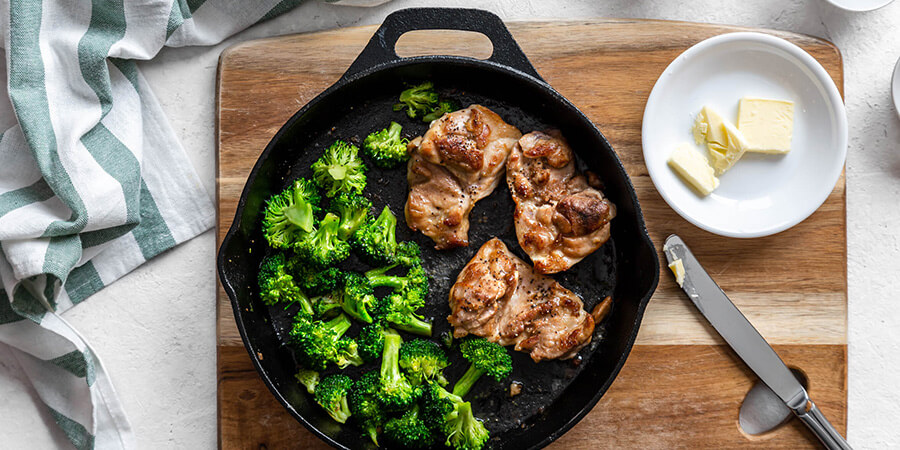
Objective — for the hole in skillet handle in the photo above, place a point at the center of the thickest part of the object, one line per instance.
(444, 42)
(381, 49)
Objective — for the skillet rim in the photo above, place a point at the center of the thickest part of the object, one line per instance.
(350, 78)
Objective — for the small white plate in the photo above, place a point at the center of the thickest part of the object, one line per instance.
(895, 88)
(762, 194)
(860, 5)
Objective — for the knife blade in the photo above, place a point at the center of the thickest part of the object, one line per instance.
(746, 341)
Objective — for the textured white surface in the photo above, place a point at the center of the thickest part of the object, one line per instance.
(154, 328)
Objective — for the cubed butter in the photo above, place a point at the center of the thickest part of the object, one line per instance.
(725, 143)
(767, 125)
(693, 168)
(677, 268)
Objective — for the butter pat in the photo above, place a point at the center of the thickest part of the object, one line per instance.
(767, 125)
(677, 268)
(693, 168)
(725, 143)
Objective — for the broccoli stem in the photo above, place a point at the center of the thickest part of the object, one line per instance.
(390, 359)
(415, 325)
(467, 381)
(339, 324)
(305, 303)
(394, 131)
(301, 212)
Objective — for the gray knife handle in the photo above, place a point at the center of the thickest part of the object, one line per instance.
(822, 428)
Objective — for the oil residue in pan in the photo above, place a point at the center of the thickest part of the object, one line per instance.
(592, 279)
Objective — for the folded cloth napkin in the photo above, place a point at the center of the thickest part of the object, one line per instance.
(93, 181)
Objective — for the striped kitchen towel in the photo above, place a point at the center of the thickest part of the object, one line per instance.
(93, 181)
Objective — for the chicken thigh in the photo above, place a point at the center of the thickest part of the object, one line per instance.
(561, 217)
(458, 161)
(499, 297)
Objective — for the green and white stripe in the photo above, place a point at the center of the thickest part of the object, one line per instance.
(93, 181)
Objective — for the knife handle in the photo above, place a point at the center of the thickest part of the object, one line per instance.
(822, 428)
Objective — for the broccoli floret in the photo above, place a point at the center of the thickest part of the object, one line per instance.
(452, 417)
(399, 308)
(319, 343)
(386, 148)
(290, 216)
(400, 311)
(322, 306)
(418, 100)
(356, 297)
(353, 210)
(308, 378)
(375, 241)
(371, 342)
(323, 247)
(395, 393)
(409, 430)
(415, 280)
(331, 395)
(277, 286)
(317, 281)
(364, 404)
(347, 353)
(408, 254)
(423, 361)
(485, 357)
(340, 169)
(443, 107)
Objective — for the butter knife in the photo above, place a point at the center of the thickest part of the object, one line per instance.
(748, 343)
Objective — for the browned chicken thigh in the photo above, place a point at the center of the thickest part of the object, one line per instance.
(458, 161)
(499, 297)
(561, 216)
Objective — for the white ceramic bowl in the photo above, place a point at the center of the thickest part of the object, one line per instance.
(860, 5)
(895, 88)
(762, 194)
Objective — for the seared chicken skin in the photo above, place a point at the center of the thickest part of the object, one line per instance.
(560, 216)
(499, 297)
(457, 162)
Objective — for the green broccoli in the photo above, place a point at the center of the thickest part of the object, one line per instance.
(409, 430)
(371, 341)
(322, 306)
(453, 418)
(353, 210)
(317, 281)
(340, 169)
(331, 395)
(323, 247)
(418, 100)
(308, 378)
(277, 286)
(408, 254)
(375, 241)
(318, 343)
(415, 280)
(356, 297)
(399, 308)
(443, 107)
(485, 357)
(290, 216)
(386, 148)
(364, 404)
(423, 361)
(400, 311)
(395, 393)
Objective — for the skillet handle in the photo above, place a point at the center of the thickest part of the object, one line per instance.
(380, 48)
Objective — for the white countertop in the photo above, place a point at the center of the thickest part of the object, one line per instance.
(154, 329)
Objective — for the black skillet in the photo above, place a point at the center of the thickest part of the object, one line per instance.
(555, 394)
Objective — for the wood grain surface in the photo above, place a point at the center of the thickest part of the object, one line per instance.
(681, 387)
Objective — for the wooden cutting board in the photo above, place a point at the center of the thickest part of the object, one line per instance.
(681, 386)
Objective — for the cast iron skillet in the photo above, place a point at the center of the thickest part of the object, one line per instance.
(556, 394)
